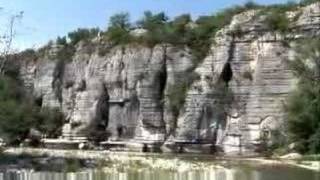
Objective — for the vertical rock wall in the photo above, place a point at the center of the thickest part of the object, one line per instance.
(243, 84)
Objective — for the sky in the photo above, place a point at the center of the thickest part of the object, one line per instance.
(44, 20)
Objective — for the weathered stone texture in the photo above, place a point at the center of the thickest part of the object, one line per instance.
(128, 87)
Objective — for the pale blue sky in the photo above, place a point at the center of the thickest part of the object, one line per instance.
(46, 19)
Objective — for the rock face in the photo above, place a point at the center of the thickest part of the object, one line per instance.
(242, 86)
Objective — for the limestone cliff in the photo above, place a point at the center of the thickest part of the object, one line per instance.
(128, 86)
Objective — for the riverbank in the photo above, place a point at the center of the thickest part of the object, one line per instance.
(176, 162)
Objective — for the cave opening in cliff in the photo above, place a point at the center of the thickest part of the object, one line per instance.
(39, 101)
(163, 82)
(103, 107)
(226, 74)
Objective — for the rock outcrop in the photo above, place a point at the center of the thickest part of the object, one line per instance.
(239, 95)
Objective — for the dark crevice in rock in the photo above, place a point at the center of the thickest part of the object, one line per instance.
(134, 106)
(57, 82)
(39, 101)
(163, 83)
(82, 85)
(102, 114)
(231, 49)
(226, 74)
(163, 77)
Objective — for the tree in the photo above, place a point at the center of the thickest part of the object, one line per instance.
(303, 107)
(119, 28)
(19, 114)
(18, 111)
(62, 40)
(6, 40)
(156, 26)
(178, 30)
(15, 116)
(120, 20)
(151, 21)
(50, 121)
(82, 34)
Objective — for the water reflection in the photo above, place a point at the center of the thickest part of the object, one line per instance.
(270, 173)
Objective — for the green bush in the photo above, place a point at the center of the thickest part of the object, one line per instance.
(177, 96)
(156, 27)
(97, 133)
(303, 108)
(15, 121)
(178, 31)
(67, 49)
(119, 29)
(65, 53)
(307, 2)
(152, 21)
(19, 114)
(9, 89)
(177, 93)
(50, 121)
(61, 40)
(82, 34)
(277, 20)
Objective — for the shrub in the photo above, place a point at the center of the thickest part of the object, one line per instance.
(50, 121)
(177, 93)
(178, 30)
(152, 21)
(251, 5)
(19, 114)
(61, 41)
(82, 34)
(15, 121)
(177, 96)
(65, 53)
(303, 115)
(314, 142)
(307, 2)
(303, 106)
(157, 28)
(277, 20)
(119, 29)
(97, 133)
(71, 165)
(66, 50)
(9, 89)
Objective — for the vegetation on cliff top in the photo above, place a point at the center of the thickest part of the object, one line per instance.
(179, 31)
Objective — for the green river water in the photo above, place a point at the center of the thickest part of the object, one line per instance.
(233, 172)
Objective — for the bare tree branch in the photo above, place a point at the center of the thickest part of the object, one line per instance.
(6, 40)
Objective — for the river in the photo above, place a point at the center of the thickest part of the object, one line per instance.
(196, 171)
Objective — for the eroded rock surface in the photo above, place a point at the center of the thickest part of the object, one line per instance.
(240, 92)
